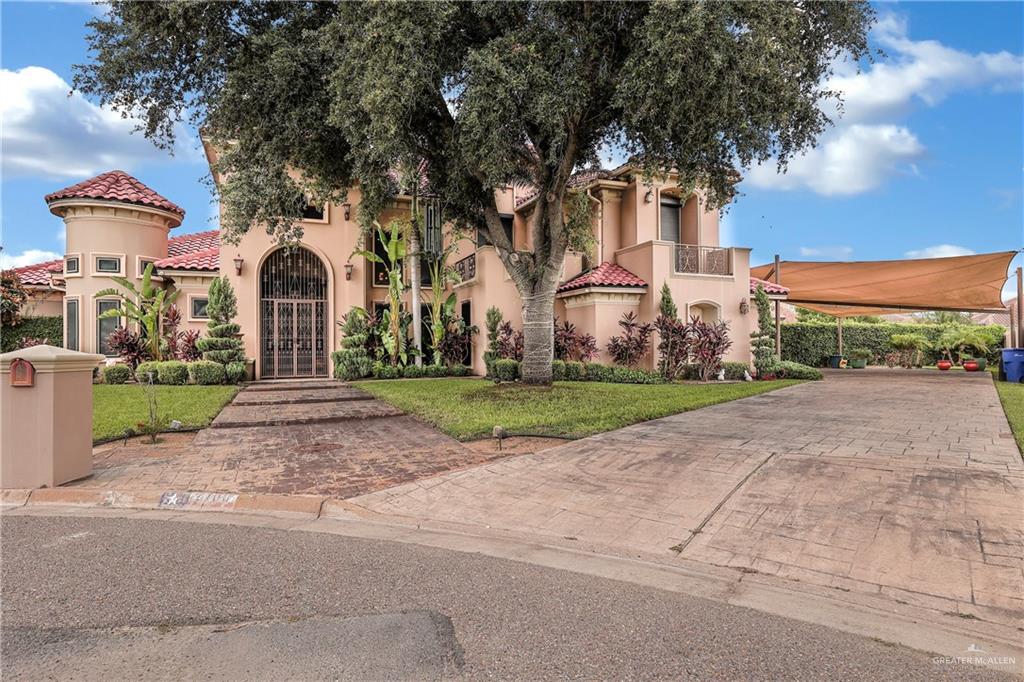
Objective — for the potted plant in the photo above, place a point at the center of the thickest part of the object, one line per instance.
(971, 365)
(859, 358)
(944, 365)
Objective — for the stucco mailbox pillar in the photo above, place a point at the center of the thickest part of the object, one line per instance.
(45, 416)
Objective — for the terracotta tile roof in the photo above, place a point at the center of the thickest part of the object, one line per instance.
(604, 275)
(116, 186)
(207, 259)
(769, 287)
(526, 193)
(190, 243)
(38, 273)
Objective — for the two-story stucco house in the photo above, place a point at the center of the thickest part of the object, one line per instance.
(290, 299)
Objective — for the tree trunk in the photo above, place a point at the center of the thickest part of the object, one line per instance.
(538, 335)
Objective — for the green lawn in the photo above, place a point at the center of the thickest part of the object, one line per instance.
(120, 407)
(1012, 397)
(470, 408)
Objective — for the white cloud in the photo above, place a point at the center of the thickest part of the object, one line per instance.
(27, 257)
(867, 145)
(853, 160)
(940, 251)
(828, 252)
(51, 133)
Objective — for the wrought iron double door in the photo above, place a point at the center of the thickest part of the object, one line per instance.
(294, 339)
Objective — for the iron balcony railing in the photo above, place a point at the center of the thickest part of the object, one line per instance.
(702, 260)
(466, 267)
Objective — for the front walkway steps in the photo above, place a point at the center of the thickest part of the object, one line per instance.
(300, 403)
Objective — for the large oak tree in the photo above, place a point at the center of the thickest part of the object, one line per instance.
(487, 93)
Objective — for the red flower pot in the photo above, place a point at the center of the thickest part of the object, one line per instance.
(944, 365)
(971, 365)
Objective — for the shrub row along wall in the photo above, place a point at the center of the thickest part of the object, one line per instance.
(50, 328)
(811, 343)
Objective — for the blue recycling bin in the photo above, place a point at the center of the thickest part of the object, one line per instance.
(1013, 364)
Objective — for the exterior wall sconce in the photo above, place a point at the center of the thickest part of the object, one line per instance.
(744, 306)
(348, 271)
(348, 211)
(238, 260)
(649, 196)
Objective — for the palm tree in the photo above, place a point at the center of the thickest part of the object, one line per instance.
(146, 305)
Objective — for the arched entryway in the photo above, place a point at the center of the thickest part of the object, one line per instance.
(293, 314)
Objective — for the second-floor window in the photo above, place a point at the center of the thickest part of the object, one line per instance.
(71, 267)
(311, 212)
(669, 220)
(484, 239)
(104, 264)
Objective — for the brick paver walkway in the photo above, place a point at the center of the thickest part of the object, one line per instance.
(316, 438)
(906, 484)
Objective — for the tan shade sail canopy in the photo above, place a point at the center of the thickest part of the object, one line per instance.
(967, 283)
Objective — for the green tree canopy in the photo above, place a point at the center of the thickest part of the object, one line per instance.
(486, 93)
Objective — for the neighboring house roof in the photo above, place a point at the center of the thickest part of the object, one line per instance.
(197, 251)
(604, 275)
(37, 274)
(116, 186)
(770, 288)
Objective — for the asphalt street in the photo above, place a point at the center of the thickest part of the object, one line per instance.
(96, 598)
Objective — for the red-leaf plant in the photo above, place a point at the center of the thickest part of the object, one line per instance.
(630, 347)
(510, 342)
(706, 344)
(570, 345)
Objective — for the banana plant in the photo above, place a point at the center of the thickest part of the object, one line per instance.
(441, 309)
(394, 241)
(145, 305)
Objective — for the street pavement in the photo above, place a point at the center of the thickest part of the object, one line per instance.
(107, 598)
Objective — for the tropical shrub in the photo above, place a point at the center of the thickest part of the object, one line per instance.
(413, 372)
(910, 348)
(458, 370)
(172, 373)
(207, 372)
(353, 361)
(595, 372)
(509, 343)
(457, 341)
(50, 328)
(383, 370)
(146, 305)
(632, 345)
(558, 370)
(116, 374)
(13, 296)
(235, 372)
(626, 375)
(671, 336)
(965, 342)
(860, 354)
(786, 369)
(147, 371)
(129, 346)
(492, 321)
(222, 343)
(506, 369)
(572, 345)
(394, 333)
(706, 344)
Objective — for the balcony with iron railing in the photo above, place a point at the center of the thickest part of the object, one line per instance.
(466, 268)
(690, 259)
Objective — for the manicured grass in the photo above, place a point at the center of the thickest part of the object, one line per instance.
(1012, 397)
(116, 408)
(471, 408)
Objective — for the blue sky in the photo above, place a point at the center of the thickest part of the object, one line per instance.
(927, 160)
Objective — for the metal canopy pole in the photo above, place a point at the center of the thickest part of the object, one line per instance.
(778, 315)
(839, 327)
(1020, 307)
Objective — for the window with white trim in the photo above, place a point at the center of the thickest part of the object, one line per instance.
(105, 327)
(71, 316)
(198, 310)
(71, 265)
(669, 220)
(108, 264)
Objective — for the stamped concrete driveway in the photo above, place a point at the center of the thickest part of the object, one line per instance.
(906, 485)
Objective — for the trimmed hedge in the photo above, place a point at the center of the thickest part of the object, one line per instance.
(207, 372)
(49, 328)
(506, 370)
(811, 343)
(734, 370)
(172, 373)
(116, 374)
(785, 369)
(382, 370)
(146, 368)
(235, 372)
